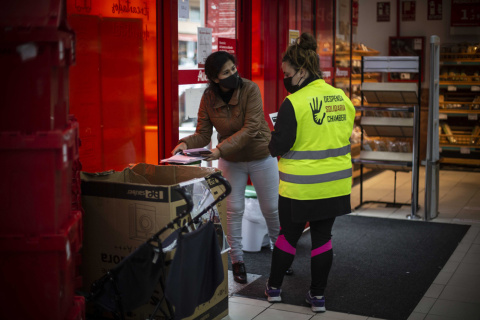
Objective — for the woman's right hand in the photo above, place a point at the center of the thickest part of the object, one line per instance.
(180, 147)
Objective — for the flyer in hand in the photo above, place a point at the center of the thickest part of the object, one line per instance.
(197, 152)
(181, 159)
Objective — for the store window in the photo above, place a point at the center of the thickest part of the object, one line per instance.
(324, 31)
(343, 47)
(307, 16)
(219, 16)
(258, 63)
(113, 85)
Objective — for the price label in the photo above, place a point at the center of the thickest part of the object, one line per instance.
(475, 88)
(464, 150)
(442, 116)
(473, 117)
(452, 88)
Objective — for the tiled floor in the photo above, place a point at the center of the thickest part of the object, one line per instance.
(455, 293)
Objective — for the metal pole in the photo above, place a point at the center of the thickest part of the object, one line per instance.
(361, 140)
(415, 149)
(433, 149)
(395, 187)
(415, 163)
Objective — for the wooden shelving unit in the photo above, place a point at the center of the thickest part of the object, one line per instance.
(459, 108)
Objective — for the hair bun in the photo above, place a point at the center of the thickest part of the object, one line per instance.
(307, 42)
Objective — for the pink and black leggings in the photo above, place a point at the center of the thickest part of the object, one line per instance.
(285, 250)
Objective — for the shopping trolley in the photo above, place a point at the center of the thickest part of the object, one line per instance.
(132, 282)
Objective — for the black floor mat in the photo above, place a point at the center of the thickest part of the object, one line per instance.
(381, 268)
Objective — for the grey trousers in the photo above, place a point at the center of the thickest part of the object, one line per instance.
(264, 176)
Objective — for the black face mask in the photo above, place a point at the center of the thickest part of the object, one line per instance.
(287, 82)
(231, 82)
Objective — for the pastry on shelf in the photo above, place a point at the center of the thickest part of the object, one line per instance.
(476, 76)
(476, 135)
(476, 103)
(446, 129)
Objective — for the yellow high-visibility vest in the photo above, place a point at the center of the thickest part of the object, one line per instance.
(319, 165)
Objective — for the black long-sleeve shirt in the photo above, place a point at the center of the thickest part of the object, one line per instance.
(285, 128)
(285, 132)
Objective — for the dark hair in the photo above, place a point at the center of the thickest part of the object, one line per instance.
(213, 66)
(303, 54)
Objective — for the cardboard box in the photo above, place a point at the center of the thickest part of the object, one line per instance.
(124, 209)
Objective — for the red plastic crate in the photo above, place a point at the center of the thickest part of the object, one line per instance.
(77, 312)
(34, 82)
(32, 13)
(37, 274)
(76, 202)
(76, 169)
(36, 184)
(73, 123)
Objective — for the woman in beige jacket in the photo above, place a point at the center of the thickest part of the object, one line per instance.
(233, 106)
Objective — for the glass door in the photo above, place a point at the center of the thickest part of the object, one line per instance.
(213, 21)
(324, 32)
(343, 49)
(113, 84)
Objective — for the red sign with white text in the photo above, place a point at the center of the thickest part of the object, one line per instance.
(342, 72)
(227, 44)
(327, 74)
(355, 13)
(192, 76)
(465, 13)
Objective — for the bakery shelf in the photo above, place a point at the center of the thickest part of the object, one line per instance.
(459, 106)
(459, 140)
(390, 99)
(460, 161)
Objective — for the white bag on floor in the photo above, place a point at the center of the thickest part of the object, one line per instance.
(252, 211)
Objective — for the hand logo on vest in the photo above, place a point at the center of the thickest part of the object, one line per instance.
(316, 108)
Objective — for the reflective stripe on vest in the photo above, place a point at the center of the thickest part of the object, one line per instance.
(318, 178)
(317, 155)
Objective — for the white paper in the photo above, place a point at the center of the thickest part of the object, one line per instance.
(193, 96)
(27, 51)
(204, 45)
(183, 7)
(181, 159)
(273, 117)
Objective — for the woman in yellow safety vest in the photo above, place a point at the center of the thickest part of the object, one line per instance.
(311, 137)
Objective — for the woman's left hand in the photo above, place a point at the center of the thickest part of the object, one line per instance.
(214, 155)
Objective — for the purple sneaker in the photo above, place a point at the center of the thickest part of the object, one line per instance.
(317, 302)
(273, 294)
